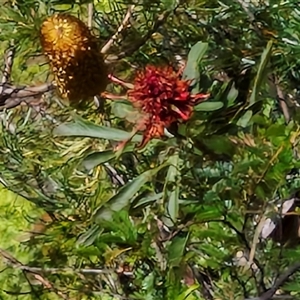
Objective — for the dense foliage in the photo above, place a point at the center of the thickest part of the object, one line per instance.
(206, 210)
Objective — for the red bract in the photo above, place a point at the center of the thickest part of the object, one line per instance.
(164, 98)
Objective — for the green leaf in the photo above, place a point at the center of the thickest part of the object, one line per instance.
(123, 109)
(148, 200)
(191, 71)
(187, 292)
(125, 196)
(86, 128)
(148, 282)
(172, 179)
(245, 119)
(209, 106)
(176, 250)
(89, 237)
(276, 130)
(220, 144)
(260, 76)
(98, 158)
(232, 95)
(10, 15)
(173, 204)
(210, 213)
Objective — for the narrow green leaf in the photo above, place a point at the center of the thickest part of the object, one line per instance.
(210, 213)
(10, 15)
(173, 204)
(86, 128)
(172, 179)
(148, 200)
(209, 106)
(125, 196)
(98, 158)
(89, 237)
(265, 57)
(187, 292)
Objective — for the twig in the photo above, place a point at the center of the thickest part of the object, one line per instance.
(24, 92)
(281, 99)
(70, 270)
(116, 179)
(8, 62)
(17, 264)
(123, 25)
(16, 293)
(157, 23)
(90, 14)
(119, 81)
(244, 240)
(205, 281)
(12, 96)
(33, 290)
(278, 283)
(13, 262)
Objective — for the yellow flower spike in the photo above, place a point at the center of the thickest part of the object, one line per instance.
(74, 56)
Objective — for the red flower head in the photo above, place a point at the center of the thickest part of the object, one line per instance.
(164, 98)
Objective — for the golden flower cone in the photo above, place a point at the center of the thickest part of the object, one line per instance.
(74, 56)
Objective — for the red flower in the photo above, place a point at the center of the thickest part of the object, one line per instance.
(164, 98)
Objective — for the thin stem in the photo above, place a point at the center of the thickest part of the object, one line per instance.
(123, 26)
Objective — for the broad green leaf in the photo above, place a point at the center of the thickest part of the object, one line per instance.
(232, 95)
(220, 144)
(176, 250)
(125, 196)
(124, 110)
(148, 282)
(245, 119)
(86, 128)
(292, 286)
(191, 71)
(260, 76)
(276, 130)
(195, 55)
(209, 106)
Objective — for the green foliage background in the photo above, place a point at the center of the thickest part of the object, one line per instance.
(213, 182)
